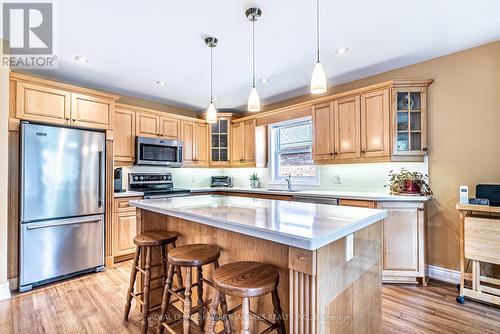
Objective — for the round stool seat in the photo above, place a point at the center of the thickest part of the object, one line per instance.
(193, 255)
(246, 279)
(155, 238)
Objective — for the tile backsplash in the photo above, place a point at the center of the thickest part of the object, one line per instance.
(369, 177)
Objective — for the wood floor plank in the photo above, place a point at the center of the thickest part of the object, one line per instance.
(94, 304)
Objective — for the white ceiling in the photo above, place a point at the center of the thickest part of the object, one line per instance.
(132, 44)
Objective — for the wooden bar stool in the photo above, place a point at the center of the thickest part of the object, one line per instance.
(148, 240)
(246, 279)
(189, 257)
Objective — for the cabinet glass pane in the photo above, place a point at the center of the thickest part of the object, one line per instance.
(416, 141)
(402, 143)
(223, 141)
(215, 140)
(415, 100)
(403, 101)
(215, 127)
(223, 154)
(402, 121)
(215, 155)
(415, 121)
(223, 126)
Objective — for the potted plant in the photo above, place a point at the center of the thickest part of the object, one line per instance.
(408, 183)
(254, 180)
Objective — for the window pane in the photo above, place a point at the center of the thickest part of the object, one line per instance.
(296, 164)
(295, 136)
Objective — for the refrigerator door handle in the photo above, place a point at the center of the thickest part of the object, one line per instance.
(100, 200)
(79, 220)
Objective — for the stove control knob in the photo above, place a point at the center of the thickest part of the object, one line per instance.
(164, 177)
(141, 178)
(136, 178)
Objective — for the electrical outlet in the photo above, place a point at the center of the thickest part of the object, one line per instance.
(335, 179)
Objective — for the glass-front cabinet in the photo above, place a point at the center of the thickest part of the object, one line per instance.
(410, 130)
(219, 141)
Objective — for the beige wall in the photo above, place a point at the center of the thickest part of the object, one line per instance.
(464, 133)
(4, 118)
(157, 106)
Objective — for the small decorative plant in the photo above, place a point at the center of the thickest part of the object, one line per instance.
(254, 180)
(410, 183)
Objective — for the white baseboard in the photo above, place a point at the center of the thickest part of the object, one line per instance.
(4, 291)
(443, 274)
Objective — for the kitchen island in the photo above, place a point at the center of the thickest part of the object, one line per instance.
(329, 257)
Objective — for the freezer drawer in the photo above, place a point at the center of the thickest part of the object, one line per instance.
(55, 248)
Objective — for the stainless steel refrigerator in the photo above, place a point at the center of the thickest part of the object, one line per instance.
(62, 188)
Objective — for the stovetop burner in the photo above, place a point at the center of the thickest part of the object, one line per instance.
(155, 185)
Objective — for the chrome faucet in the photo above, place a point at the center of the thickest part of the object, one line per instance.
(289, 182)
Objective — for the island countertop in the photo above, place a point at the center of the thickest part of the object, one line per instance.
(303, 225)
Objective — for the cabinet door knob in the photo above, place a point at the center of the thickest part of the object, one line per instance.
(363, 152)
(331, 153)
(335, 153)
(67, 118)
(74, 119)
(424, 149)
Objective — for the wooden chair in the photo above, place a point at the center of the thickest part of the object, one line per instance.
(245, 279)
(189, 257)
(147, 241)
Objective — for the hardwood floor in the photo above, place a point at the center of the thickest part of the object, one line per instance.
(94, 304)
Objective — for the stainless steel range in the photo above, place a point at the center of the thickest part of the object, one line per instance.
(155, 185)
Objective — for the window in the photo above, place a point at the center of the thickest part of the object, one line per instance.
(291, 152)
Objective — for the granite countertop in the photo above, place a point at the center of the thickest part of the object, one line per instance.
(303, 225)
(371, 196)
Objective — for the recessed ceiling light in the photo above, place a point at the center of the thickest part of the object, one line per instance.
(161, 83)
(81, 59)
(342, 51)
(264, 80)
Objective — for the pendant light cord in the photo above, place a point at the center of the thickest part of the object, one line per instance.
(317, 27)
(211, 73)
(253, 52)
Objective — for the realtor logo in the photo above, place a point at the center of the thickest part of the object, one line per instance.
(28, 27)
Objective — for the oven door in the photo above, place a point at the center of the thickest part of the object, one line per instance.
(158, 152)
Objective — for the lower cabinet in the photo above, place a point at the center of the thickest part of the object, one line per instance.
(124, 228)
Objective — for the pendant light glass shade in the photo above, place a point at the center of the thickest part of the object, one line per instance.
(318, 79)
(211, 113)
(253, 100)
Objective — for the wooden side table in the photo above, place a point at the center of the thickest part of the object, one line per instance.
(479, 242)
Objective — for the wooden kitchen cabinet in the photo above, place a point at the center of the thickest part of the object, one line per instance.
(357, 203)
(124, 228)
(124, 135)
(147, 124)
(194, 137)
(220, 141)
(347, 114)
(375, 124)
(323, 122)
(169, 127)
(91, 111)
(43, 104)
(409, 113)
(243, 143)
(404, 242)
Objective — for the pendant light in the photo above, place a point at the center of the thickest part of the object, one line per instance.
(211, 42)
(318, 78)
(253, 15)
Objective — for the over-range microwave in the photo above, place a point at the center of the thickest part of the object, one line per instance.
(158, 152)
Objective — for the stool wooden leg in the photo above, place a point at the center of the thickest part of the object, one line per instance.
(223, 306)
(201, 311)
(278, 313)
(245, 316)
(178, 272)
(212, 320)
(133, 274)
(166, 298)
(187, 302)
(163, 264)
(147, 282)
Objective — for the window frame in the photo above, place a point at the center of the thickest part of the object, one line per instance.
(273, 140)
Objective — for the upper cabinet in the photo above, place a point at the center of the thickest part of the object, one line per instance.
(124, 135)
(375, 124)
(147, 124)
(46, 101)
(170, 128)
(194, 136)
(243, 149)
(410, 120)
(347, 127)
(324, 135)
(219, 142)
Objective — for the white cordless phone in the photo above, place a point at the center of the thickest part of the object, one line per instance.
(464, 195)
